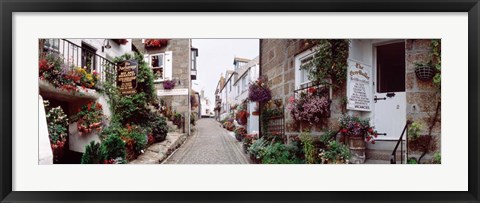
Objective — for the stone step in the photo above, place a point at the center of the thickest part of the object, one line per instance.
(384, 155)
(158, 152)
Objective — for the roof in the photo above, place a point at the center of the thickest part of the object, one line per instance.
(239, 59)
(244, 69)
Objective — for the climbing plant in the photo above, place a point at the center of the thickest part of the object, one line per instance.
(329, 62)
(436, 61)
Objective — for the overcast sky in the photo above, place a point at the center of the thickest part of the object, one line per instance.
(215, 56)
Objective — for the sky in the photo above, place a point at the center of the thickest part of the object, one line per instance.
(215, 56)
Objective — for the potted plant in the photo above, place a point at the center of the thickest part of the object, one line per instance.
(240, 132)
(259, 92)
(89, 118)
(357, 131)
(242, 117)
(424, 71)
(169, 84)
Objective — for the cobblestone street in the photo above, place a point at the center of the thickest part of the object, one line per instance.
(210, 144)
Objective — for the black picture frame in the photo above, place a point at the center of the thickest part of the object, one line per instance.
(8, 7)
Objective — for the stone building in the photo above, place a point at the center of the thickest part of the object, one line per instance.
(172, 60)
(394, 94)
(92, 54)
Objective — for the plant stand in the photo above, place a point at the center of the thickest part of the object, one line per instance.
(357, 148)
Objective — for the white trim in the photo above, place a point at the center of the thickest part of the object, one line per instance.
(298, 72)
(163, 65)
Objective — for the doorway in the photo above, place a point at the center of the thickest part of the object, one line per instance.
(389, 89)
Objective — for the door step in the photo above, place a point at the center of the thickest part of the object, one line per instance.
(382, 155)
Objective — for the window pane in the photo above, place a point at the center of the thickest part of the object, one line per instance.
(391, 68)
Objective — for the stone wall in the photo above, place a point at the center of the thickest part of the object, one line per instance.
(422, 97)
(277, 62)
(180, 72)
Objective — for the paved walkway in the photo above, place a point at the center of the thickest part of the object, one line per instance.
(210, 144)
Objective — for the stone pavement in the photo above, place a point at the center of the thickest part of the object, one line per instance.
(158, 152)
(211, 144)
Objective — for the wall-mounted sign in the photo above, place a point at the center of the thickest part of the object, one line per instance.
(127, 77)
(359, 86)
(172, 92)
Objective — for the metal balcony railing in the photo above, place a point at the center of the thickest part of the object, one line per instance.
(80, 56)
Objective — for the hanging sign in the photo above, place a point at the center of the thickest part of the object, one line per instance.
(359, 86)
(127, 77)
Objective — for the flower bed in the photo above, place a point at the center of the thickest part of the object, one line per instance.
(60, 75)
(57, 123)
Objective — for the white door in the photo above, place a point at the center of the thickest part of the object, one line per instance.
(389, 90)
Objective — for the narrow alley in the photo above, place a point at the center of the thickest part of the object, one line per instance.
(210, 144)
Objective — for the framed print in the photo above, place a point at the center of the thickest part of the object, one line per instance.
(239, 101)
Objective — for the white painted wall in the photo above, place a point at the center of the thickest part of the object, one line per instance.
(45, 154)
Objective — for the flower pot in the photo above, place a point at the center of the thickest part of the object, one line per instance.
(424, 72)
(356, 143)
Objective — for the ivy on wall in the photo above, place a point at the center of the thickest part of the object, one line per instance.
(437, 61)
(329, 62)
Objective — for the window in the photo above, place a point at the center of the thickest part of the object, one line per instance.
(244, 83)
(88, 57)
(51, 45)
(301, 76)
(391, 68)
(157, 62)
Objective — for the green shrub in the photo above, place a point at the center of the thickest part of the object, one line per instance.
(140, 139)
(335, 153)
(437, 158)
(414, 130)
(412, 160)
(93, 154)
(308, 147)
(158, 126)
(113, 147)
(278, 153)
(327, 136)
(256, 148)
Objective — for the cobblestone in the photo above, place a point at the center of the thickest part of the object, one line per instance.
(211, 144)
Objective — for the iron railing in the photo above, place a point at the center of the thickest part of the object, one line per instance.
(81, 56)
(393, 156)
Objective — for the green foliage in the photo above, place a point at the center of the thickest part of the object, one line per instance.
(329, 63)
(57, 123)
(140, 139)
(414, 130)
(113, 147)
(437, 158)
(308, 147)
(437, 61)
(279, 153)
(93, 154)
(158, 126)
(335, 153)
(412, 160)
(131, 109)
(256, 147)
(327, 136)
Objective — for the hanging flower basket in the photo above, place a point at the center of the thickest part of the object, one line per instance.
(424, 72)
(169, 84)
(120, 41)
(259, 91)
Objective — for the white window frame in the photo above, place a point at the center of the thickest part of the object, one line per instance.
(163, 65)
(299, 73)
